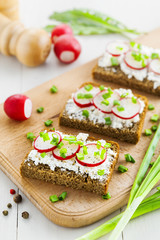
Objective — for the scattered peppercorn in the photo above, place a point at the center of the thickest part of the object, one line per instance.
(5, 212)
(25, 215)
(12, 191)
(17, 198)
(9, 205)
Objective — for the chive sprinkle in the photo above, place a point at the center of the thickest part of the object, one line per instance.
(103, 152)
(85, 113)
(40, 109)
(122, 169)
(96, 153)
(54, 198)
(63, 152)
(129, 158)
(98, 144)
(116, 102)
(114, 61)
(107, 196)
(154, 128)
(132, 44)
(30, 136)
(120, 108)
(60, 145)
(150, 107)
(124, 95)
(80, 156)
(108, 121)
(101, 87)
(45, 136)
(100, 172)
(62, 196)
(48, 123)
(105, 102)
(53, 89)
(155, 118)
(88, 87)
(148, 132)
(43, 154)
(134, 100)
(154, 55)
(107, 145)
(85, 152)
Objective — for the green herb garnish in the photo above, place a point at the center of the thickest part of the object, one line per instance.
(80, 156)
(107, 196)
(45, 136)
(30, 136)
(101, 88)
(124, 95)
(54, 198)
(85, 113)
(134, 100)
(155, 118)
(85, 152)
(120, 108)
(98, 144)
(70, 138)
(105, 102)
(151, 107)
(132, 44)
(43, 154)
(48, 123)
(63, 152)
(148, 132)
(40, 109)
(154, 55)
(53, 89)
(119, 48)
(100, 172)
(122, 168)
(108, 121)
(114, 61)
(84, 96)
(88, 87)
(60, 145)
(107, 145)
(129, 158)
(103, 152)
(154, 128)
(116, 102)
(62, 196)
(54, 140)
(96, 153)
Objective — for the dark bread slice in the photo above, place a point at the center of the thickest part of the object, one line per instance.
(106, 74)
(131, 135)
(69, 178)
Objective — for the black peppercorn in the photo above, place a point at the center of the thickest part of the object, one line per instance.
(9, 205)
(5, 212)
(17, 198)
(25, 215)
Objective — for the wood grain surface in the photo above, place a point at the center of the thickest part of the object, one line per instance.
(79, 208)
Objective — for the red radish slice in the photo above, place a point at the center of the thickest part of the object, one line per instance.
(116, 48)
(45, 146)
(130, 109)
(89, 159)
(132, 63)
(18, 107)
(155, 66)
(97, 101)
(72, 149)
(85, 102)
(59, 31)
(67, 48)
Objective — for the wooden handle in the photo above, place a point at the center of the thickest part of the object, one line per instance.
(30, 46)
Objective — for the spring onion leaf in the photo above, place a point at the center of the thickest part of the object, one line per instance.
(48, 123)
(40, 109)
(120, 108)
(124, 95)
(62, 196)
(85, 113)
(154, 128)
(107, 196)
(54, 198)
(43, 154)
(150, 107)
(98, 144)
(129, 158)
(114, 61)
(96, 153)
(134, 100)
(30, 136)
(103, 152)
(100, 172)
(154, 55)
(45, 136)
(155, 118)
(85, 152)
(101, 87)
(116, 102)
(108, 121)
(122, 169)
(107, 145)
(105, 102)
(88, 87)
(80, 156)
(148, 132)
(53, 89)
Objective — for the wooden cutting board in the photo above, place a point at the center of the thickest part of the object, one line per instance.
(79, 208)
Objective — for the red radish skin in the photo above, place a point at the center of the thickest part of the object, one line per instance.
(82, 105)
(130, 66)
(91, 164)
(59, 31)
(67, 48)
(18, 107)
(117, 55)
(49, 149)
(67, 157)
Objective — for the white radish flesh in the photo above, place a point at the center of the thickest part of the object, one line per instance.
(155, 66)
(134, 64)
(116, 48)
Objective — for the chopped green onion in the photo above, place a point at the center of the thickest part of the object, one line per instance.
(48, 123)
(96, 153)
(122, 168)
(63, 152)
(116, 102)
(80, 96)
(139, 46)
(88, 87)
(54, 140)
(155, 118)
(40, 109)
(54, 198)
(85, 152)
(108, 121)
(101, 88)
(150, 107)
(114, 61)
(154, 55)
(100, 172)
(129, 158)
(98, 144)
(132, 44)
(62, 196)
(80, 156)
(54, 89)
(105, 102)
(154, 128)
(106, 95)
(80, 143)
(107, 145)
(148, 132)
(103, 152)
(124, 95)
(85, 113)
(70, 138)
(120, 108)
(88, 95)
(107, 196)
(45, 136)
(43, 154)
(60, 145)
(119, 48)
(134, 100)
(30, 136)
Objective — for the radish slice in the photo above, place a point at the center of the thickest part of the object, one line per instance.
(116, 48)
(134, 64)
(84, 102)
(90, 160)
(72, 149)
(98, 99)
(130, 109)
(155, 66)
(45, 146)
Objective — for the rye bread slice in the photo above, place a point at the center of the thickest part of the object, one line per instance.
(131, 134)
(69, 178)
(115, 75)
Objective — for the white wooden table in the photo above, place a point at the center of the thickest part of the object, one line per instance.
(15, 78)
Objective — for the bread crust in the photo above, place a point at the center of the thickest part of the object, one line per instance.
(69, 178)
(131, 135)
(121, 78)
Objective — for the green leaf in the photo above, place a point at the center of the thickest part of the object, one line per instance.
(85, 152)
(101, 87)
(85, 113)
(53, 89)
(40, 109)
(80, 156)
(155, 118)
(43, 154)
(154, 55)
(134, 100)
(116, 102)
(129, 158)
(107, 196)
(124, 95)
(122, 169)
(45, 136)
(114, 61)
(100, 172)
(103, 152)
(151, 107)
(108, 121)
(48, 123)
(148, 132)
(62, 196)
(88, 87)
(98, 144)
(30, 136)
(120, 108)
(105, 102)
(54, 198)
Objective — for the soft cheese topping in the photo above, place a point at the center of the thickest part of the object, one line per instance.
(98, 172)
(140, 55)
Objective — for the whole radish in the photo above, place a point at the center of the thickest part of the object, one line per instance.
(18, 107)
(59, 31)
(67, 48)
